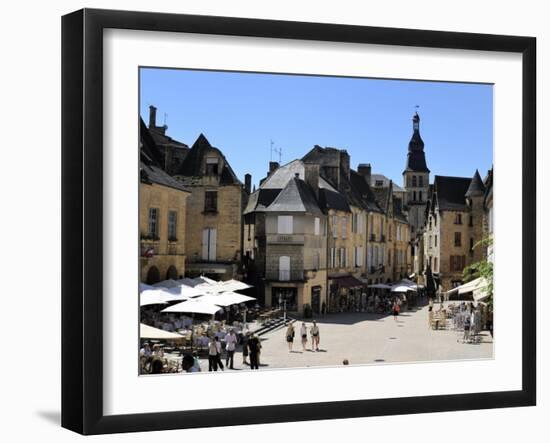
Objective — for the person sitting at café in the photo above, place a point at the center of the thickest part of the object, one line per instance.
(157, 366)
(158, 352)
(146, 351)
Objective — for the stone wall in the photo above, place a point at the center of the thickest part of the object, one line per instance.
(227, 221)
(165, 252)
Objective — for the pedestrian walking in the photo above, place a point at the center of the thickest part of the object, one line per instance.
(254, 347)
(466, 336)
(246, 337)
(219, 352)
(212, 355)
(290, 336)
(315, 337)
(395, 310)
(303, 333)
(230, 344)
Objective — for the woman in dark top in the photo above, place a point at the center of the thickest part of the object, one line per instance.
(253, 351)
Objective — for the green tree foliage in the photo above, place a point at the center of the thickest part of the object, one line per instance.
(483, 268)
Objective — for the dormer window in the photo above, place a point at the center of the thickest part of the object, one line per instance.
(212, 166)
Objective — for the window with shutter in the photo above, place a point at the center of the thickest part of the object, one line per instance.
(285, 224)
(284, 268)
(209, 244)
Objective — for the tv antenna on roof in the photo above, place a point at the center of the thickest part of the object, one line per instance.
(275, 150)
(165, 118)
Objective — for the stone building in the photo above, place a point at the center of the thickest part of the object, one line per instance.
(454, 224)
(394, 247)
(348, 203)
(162, 216)
(214, 225)
(488, 211)
(285, 238)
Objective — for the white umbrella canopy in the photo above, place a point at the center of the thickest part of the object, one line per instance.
(153, 297)
(145, 287)
(401, 288)
(148, 332)
(225, 299)
(194, 307)
(184, 292)
(235, 285)
(166, 284)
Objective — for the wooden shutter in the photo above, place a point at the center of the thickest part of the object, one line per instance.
(205, 244)
(212, 245)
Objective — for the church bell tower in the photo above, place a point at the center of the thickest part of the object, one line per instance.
(416, 179)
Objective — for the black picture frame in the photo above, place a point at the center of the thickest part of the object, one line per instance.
(82, 188)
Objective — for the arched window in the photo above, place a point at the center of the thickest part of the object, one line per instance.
(284, 268)
(172, 273)
(153, 275)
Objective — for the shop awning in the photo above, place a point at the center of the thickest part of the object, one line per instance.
(348, 281)
(476, 287)
(380, 286)
(148, 332)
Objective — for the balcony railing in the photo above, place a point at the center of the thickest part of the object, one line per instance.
(286, 275)
(372, 237)
(287, 239)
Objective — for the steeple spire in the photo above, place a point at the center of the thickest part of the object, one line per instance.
(476, 188)
(416, 121)
(416, 160)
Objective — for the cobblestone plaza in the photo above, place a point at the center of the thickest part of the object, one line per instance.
(363, 338)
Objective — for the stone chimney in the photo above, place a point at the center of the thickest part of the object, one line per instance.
(344, 162)
(247, 183)
(273, 166)
(152, 116)
(364, 169)
(311, 176)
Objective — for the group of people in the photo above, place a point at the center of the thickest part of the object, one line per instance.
(313, 331)
(153, 361)
(251, 346)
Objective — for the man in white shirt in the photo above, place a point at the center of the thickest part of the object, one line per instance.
(230, 344)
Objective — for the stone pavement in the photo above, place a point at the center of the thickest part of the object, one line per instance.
(363, 338)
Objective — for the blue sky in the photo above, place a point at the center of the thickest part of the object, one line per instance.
(240, 113)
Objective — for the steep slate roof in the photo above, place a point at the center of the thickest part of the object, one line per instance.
(365, 191)
(297, 196)
(398, 210)
(386, 180)
(476, 187)
(148, 151)
(280, 177)
(192, 165)
(382, 197)
(150, 170)
(416, 160)
(162, 139)
(450, 192)
(333, 200)
(260, 199)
